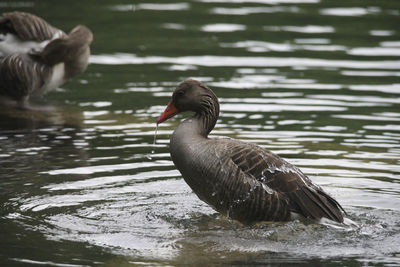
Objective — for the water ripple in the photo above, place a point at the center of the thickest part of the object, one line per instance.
(223, 27)
(351, 12)
(226, 61)
(108, 168)
(151, 6)
(292, 77)
(252, 10)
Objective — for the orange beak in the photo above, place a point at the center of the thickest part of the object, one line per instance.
(168, 113)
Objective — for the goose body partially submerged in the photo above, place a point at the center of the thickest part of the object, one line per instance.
(238, 179)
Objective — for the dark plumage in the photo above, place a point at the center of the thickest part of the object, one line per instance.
(37, 57)
(240, 180)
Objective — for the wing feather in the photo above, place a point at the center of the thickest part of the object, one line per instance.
(20, 76)
(28, 27)
(287, 180)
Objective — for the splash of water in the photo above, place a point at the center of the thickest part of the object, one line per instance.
(154, 143)
(155, 138)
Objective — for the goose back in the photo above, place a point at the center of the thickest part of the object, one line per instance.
(28, 27)
(276, 174)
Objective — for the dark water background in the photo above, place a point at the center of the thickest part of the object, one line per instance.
(317, 82)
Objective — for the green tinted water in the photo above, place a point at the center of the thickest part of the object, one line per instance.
(315, 81)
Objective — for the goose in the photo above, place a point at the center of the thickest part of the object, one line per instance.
(239, 180)
(36, 57)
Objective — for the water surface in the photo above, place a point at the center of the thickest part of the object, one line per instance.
(314, 81)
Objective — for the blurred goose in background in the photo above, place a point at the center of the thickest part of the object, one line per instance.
(36, 57)
(240, 180)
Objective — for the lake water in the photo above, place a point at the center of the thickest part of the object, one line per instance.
(315, 81)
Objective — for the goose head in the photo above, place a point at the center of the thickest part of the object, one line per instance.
(191, 95)
(81, 35)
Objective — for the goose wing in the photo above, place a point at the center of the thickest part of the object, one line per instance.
(278, 175)
(20, 76)
(28, 27)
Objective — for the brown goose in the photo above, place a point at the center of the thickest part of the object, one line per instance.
(36, 57)
(240, 180)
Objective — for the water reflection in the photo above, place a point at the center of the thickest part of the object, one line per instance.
(253, 10)
(350, 12)
(326, 98)
(223, 27)
(311, 29)
(150, 6)
(259, 46)
(269, 2)
(229, 61)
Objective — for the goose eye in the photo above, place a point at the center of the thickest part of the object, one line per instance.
(180, 93)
